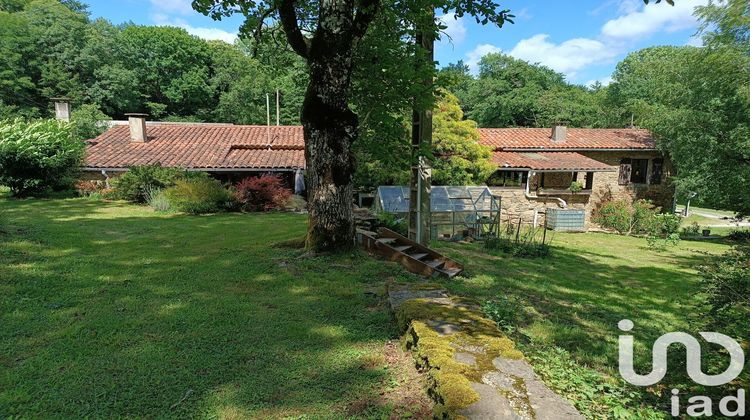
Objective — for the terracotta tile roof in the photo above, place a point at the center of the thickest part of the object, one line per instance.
(577, 138)
(549, 161)
(200, 146)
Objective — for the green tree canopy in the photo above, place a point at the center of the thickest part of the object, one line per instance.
(509, 92)
(697, 102)
(459, 158)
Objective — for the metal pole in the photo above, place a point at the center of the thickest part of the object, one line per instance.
(277, 106)
(268, 118)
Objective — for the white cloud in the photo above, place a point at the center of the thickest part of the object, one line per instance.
(566, 57)
(653, 18)
(695, 41)
(211, 33)
(456, 30)
(604, 81)
(201, 32)
(473, 56)
(522, 14)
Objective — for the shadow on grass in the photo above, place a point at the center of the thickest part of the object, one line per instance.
(575, 298)
(111, 310)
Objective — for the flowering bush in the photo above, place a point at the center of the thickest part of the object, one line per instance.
(263, 193)
(37, 156)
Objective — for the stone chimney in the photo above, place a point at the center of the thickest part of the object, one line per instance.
(559, 132)
(137, 123)
(62, 109)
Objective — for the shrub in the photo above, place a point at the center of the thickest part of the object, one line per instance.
(262, 193)
(134, 184)
(89, 188)
(739, 235)
(664, 230)
(296, 203)
(504, 310)
(157, 200)
(198, 195)
(627, 218)
(523, 249)
(393, 222)
(36, 156)
(726, 283)
(615, 215)
(693, 230)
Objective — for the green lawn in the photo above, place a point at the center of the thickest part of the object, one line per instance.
(573, 299)
(109, 309)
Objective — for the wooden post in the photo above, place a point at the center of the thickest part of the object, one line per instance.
(420, 184)
(518, 229)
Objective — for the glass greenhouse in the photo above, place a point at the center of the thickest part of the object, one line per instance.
(454, 209)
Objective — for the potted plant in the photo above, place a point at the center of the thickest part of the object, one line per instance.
(575, 187)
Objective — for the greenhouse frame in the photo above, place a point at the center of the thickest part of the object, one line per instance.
(471, 210)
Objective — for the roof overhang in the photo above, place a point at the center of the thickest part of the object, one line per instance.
(568, 149)
(93, 169)
(545, 161)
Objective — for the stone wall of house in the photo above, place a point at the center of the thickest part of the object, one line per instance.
(605, 187)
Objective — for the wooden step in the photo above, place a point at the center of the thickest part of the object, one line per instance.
(435, 263)
(452, 271)
(416, 258)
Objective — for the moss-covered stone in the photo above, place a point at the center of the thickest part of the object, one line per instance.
(450, 380)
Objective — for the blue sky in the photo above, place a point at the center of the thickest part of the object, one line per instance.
(583, 39)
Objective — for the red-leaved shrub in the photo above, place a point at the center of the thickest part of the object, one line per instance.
(262, 193)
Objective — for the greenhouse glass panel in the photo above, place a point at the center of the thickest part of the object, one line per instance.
(455, 209)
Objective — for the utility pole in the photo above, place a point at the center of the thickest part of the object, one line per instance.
(420, 184)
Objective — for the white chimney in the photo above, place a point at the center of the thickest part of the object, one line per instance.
(137, 123)
(62, 109)
(559, 132)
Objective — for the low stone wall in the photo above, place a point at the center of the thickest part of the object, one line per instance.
(473, 370)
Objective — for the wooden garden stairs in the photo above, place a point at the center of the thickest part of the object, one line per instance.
(416, 258)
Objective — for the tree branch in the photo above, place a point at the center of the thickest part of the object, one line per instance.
(366, 12)
(257, 34)
(288, 16)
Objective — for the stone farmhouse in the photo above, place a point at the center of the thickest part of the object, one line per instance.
(535, 166)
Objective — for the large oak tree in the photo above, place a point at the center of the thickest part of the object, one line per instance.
(327, 35)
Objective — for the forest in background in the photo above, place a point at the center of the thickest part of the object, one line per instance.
(696, 100)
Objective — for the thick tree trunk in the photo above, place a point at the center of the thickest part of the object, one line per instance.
(330, 128)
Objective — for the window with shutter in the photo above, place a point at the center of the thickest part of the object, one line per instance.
(625, 171)
(657, 167)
